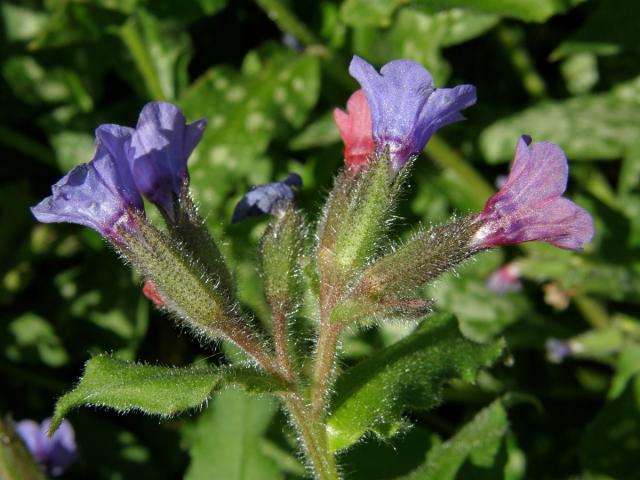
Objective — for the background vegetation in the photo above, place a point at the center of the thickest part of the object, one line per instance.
(267, 75)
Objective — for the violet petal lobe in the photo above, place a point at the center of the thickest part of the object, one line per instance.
(270, 198)
(406, 109)
(160, 146)
(92, 195)
(29, 432)
(530, 205)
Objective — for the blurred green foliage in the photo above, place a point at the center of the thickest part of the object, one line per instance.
(561, 70)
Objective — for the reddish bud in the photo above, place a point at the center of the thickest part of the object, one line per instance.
(355, 130)
(149, 290)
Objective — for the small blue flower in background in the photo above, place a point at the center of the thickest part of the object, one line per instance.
(55, 454)
(270, 198)
(406, 109)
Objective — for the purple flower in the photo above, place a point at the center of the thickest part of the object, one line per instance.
(270, 198)
(505, 279)
(160, 146)
(406, 109)
(558, 350)
(100, 194)
(55, 454)
(530, 205)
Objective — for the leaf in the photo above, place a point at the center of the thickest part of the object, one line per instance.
(609, 445)
(254, 105)
(225, 442)
(477, 442)
(628, 366)
(369, 13)
(320, 133)
(35, 340)
(592, 127)
(379, 12)
(124, 386)
(482, 314)
(155, 390)
(538, 11)
(611, 29)
(411, 373)
(160, 50)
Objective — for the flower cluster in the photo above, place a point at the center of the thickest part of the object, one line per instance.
(340, 271)
(396, 113)
(150, 160)
(402, 111)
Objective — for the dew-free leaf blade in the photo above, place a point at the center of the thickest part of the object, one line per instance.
(164, 391)
(477, 443)
(225, 442)
(410, 373)
(591, 127)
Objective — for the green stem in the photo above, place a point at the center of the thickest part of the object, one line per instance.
(324, 363)
(532, 81)
(130, 35)
(314, 439)
(592, 311)
(449, 159)
(25, 145)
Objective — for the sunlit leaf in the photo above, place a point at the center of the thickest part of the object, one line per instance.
(411, 373)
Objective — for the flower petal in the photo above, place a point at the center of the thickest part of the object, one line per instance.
(160, 147)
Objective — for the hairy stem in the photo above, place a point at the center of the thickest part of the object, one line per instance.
(313, 437)
(246, 339)
(283, 354)
(324, 365)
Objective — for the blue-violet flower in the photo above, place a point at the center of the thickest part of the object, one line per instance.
(406, 109)
(100, 194)
(160, 146)
(54, 453)
(270, 198)
(530, 205)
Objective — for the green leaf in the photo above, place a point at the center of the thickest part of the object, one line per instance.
(612, 28)
(35, 339)
(369, 13)
(411, 373)
(225, 442)
(320, 133)
(124, 386)
(591, 127)
(609, 445)
(20, 22)
(628, 366)
(477, 442)
(160, 51)
(482, 314)
(537, 11)
(379, 12)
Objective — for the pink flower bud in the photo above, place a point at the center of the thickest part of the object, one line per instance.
(355, 130)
